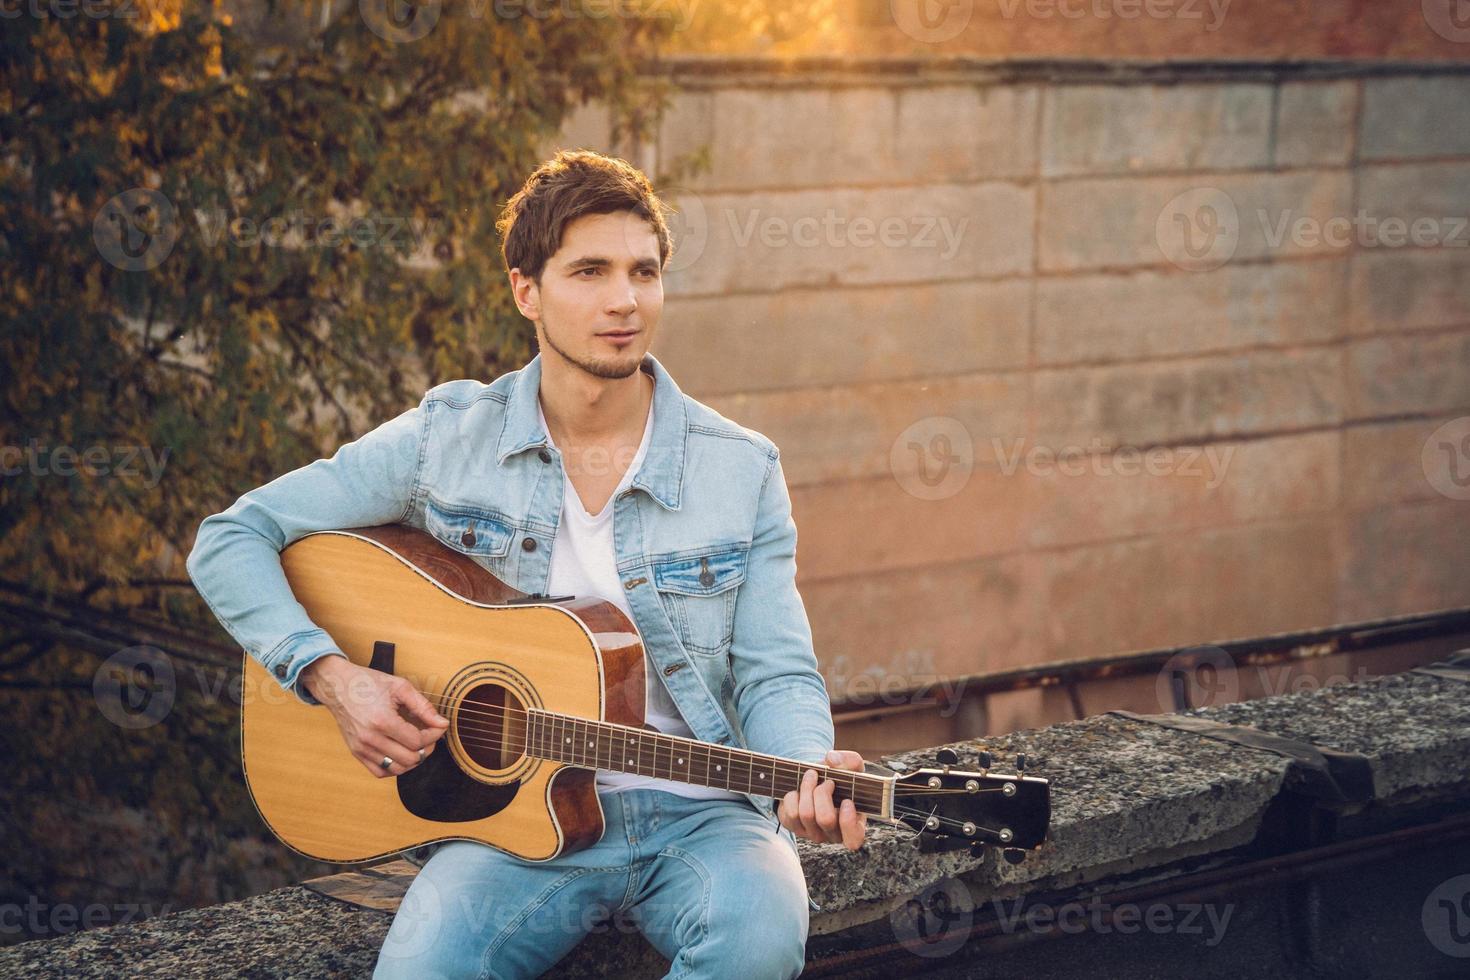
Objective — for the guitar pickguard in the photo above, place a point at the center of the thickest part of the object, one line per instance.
(437, 789)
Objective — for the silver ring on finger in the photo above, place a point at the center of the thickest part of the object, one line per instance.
(387, 763)
(421, 755)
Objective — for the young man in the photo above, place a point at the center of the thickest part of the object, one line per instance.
(586, 472)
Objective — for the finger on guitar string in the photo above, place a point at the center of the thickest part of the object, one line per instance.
(418, 706)
(393, 726)
(825, 812)
(807, 808)
(852, 825)
(813, 812)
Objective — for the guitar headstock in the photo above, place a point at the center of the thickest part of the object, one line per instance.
(952, 808)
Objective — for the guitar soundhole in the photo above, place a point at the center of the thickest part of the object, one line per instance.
(492, 726)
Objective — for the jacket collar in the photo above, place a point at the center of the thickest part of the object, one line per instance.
(661, 474)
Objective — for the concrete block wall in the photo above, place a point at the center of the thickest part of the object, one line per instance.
(1065, 362)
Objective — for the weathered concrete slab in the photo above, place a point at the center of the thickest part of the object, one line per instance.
(1127, 796)
(1414, 728)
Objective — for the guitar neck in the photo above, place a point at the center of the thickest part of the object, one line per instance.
(620, 748)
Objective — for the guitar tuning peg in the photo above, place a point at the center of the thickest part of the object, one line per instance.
(977, 849)
(1013, 855)
(985, 761)
(1020, 763)
(947, 758)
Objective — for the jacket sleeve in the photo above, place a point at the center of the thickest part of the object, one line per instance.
(235, 562)
(779, 693)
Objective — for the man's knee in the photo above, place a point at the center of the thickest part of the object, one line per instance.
(760, 925)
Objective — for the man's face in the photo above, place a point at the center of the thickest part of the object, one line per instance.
(604, 281)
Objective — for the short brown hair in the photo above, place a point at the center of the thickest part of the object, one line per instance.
(573, 184)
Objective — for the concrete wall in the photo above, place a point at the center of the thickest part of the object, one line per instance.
(926, 283)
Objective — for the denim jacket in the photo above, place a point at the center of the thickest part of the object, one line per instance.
(705, 546)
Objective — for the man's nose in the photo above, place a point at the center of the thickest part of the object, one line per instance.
(624, 299)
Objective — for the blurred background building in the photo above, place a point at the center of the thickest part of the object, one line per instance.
(1154, 334)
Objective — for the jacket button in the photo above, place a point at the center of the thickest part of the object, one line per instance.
(544, 456)
(467, 539)
(280, 670)
(528, 544)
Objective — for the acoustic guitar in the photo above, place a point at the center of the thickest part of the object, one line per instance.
(540, 693)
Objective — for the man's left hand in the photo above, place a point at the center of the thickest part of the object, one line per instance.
(810, 813)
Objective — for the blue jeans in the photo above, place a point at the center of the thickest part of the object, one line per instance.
(710, 884)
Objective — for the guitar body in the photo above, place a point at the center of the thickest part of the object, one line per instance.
(395, 598)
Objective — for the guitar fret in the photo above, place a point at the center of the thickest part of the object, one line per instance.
(617, 748)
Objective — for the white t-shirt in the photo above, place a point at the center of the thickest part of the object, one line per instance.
(584, 562)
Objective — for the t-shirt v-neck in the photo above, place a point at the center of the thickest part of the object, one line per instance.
(580, 512)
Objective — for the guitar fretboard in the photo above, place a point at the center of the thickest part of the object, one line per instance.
(619, 748)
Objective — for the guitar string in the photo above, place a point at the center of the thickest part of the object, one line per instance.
(875, 808)
(870, 799)
(497, 713)
(951, 822)
(899, 809)
(783, 767)
(865, 792)
(856, 790)
(778, 767)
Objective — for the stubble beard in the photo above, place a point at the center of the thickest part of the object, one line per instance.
(611, 369)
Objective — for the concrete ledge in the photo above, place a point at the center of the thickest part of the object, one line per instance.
(1129, 798)
(694, 71)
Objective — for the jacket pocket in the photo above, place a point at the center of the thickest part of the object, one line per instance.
(699, 594)
(468, 530)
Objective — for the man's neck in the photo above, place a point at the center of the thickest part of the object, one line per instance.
(583, 409)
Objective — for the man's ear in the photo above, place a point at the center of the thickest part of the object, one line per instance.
(527, 294)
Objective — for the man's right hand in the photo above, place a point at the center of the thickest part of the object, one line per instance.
(380, 715)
